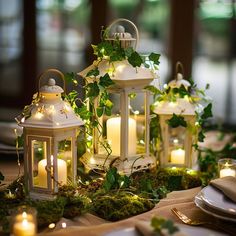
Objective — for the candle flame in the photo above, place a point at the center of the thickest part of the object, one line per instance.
(24, 215)
(25, 222)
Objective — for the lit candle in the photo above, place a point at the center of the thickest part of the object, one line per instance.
(227, 171)
(42, 173)
(177, 156)
(113, 135)
(24, 228)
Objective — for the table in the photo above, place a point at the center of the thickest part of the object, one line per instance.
(91, 225)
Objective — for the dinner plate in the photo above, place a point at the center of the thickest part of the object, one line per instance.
(217, 200)
(212, 211)
(186, 230)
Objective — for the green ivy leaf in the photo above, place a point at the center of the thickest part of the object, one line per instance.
(92, 89)
(201, 136)
(169, 225)
(104, 49)
(99, 111)
(207, 111)
(128, 51)
(153, 89)
(93, 72)
(176, 121)
(106, 81)
(83, 112)
(108, 111)
(70, 77)
(155, 58)
(135, 59)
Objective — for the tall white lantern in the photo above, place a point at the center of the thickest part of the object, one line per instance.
(127, 129)
(50, 139)
(177, 142)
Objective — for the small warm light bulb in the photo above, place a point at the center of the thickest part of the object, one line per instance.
(63, 225)
(51, 226)
(175, 141)
(92, 161)
(57, 123)
(51, 109)
(196, 123)
(136, 112)
(135, 196)
(172, 104)
(22, 120)
(121, 184)
(38, 115)
(165, 86)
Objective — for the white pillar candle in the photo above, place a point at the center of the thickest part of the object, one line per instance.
(113, 135)
(177, 156)
(24, 228)
(42, 173)
(227, 172)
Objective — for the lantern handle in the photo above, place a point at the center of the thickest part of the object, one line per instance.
(179, 68)
(134, 26)
(53, 71)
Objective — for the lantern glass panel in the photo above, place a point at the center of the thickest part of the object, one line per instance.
(177, 145)
(39, 162)
(111, 127)
(64, 160)
(137, 140)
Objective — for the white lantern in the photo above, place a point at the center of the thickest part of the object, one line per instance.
(50, 136)
(127, 129)
(177, 142)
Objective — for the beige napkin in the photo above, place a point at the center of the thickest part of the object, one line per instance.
(227, 185)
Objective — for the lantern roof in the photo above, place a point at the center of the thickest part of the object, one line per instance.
(182, 106)
(179, 81)
(51, 111)
(51, 87)
(59, 115)
(124, 75)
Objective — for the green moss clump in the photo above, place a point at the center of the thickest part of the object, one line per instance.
(48, 211)
(119, 206)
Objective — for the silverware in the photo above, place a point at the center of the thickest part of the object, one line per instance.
(185, 219)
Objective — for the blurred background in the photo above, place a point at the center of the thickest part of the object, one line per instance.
(40, 34)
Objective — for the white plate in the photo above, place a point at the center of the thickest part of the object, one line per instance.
(187, 230)
(211, 211)
(217, 200)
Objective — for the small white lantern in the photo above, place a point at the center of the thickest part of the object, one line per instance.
(50, 137)
(176, 144)
(127, 129)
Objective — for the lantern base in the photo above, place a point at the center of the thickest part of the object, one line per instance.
(135, 163)
(42, 196)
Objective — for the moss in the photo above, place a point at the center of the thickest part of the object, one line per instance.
(121, 205)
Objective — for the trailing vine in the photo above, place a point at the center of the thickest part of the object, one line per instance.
(96, 85)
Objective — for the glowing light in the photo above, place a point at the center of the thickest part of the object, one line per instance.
(89, 137)
(92, 161)
(172, 104)
(51, 109)
(136, 112)
(75, 82)
(52, 225)
(141, 141)
(173, 168)
(175, 141)
(135, 196)
(165, 86)
(38, 115)
(186, 98)
(24, 215)
(57, 123)
(122, 183)
(22, 120)
(196, 123)
(63, 225)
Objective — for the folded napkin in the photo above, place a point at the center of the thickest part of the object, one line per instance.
(227, 185)
(145, 229)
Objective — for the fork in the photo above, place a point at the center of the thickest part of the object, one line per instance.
(185, 219)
